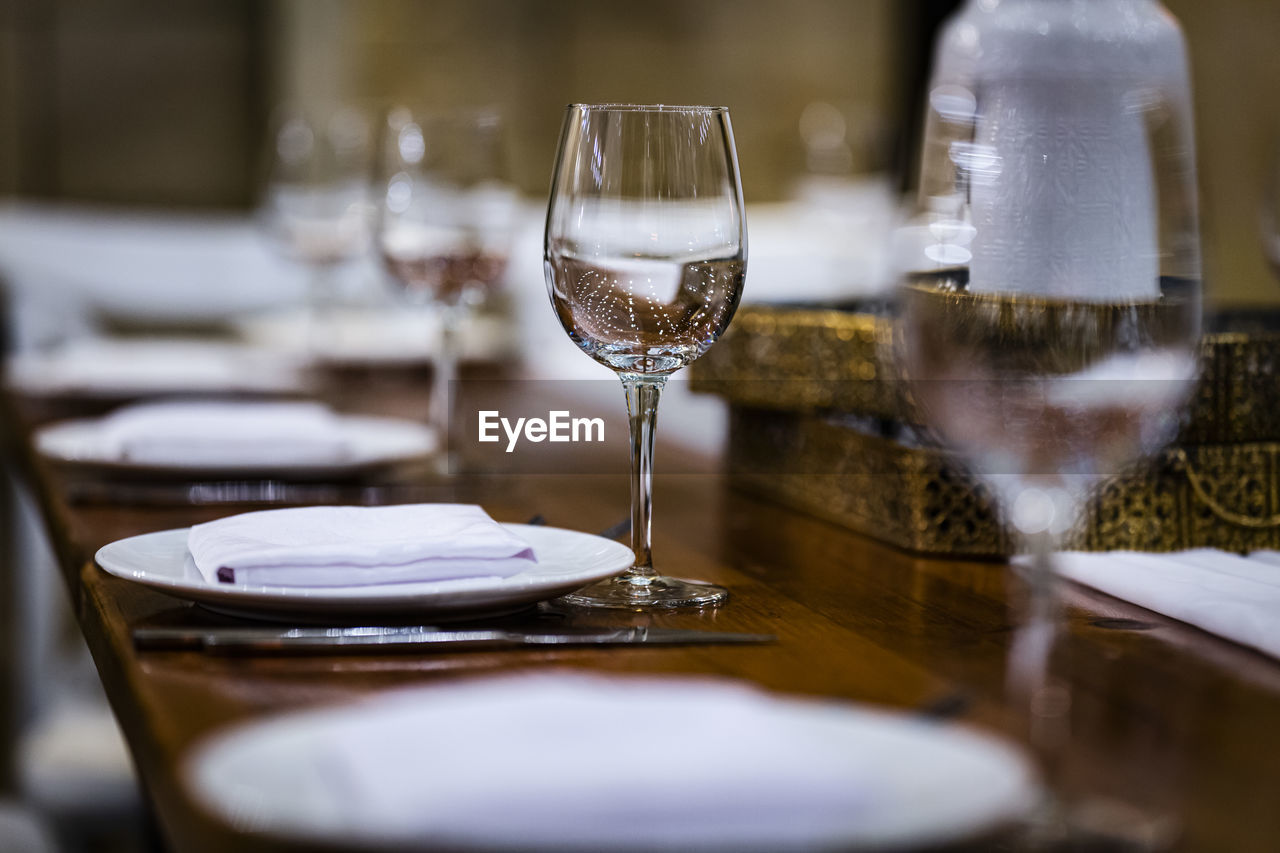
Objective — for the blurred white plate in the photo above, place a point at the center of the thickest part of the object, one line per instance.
(399, 335)
(567, 560)
(111, 369)
(168, 267)
(552, 761)
(375, 443)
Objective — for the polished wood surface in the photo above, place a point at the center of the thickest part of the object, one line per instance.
(1157, 706)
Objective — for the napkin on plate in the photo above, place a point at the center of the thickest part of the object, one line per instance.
(1237, 598)
(355, 546)
(227, 433)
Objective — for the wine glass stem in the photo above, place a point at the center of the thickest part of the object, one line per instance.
(320, 299)
(1044, 699)
(446, 374)
(643, 393)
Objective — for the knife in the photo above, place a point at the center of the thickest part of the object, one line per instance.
(238, 640)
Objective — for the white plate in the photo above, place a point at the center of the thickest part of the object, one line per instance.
(548, 761)
(111, 369)
(567, 560)
(375, 442)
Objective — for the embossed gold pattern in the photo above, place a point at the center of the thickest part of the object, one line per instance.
(786, 370)
(802, 360)
(921, 499)
(813, 360)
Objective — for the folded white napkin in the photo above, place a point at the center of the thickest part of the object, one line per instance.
(530, 762)
(230, 433)
(1237, 598)
(355, 546)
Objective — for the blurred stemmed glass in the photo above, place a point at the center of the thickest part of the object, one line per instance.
(1049, 310)
(447, 216)
(645, 255)
(317, 205)
(1269, 213)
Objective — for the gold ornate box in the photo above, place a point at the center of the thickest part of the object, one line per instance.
(817, 424)
(818, 359)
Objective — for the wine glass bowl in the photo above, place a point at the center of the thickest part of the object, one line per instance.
(1049, 394)
(645, 256)
(644, 315)
(448, 207)
(447, 217)
(645, 260)
(316, 205)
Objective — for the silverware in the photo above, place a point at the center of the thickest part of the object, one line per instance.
(241, 640)
(217, 492)
(615, 531)
(949, 706)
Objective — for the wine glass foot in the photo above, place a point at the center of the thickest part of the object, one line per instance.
(633, 592)
(445, 465)
(1097, 825)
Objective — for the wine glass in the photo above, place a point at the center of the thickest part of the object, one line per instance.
(316, 205)
(1269, 213)
(645, 256)
(1050, 304)
(448, 213)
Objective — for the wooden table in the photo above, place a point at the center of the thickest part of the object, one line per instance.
(854, 619)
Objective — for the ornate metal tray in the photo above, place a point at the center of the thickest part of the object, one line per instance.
(919, 498)
(823, 359)
(820, 423)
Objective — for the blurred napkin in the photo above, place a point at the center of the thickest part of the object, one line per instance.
(1237, 598)
(150, 366)
(786, 774)
(548, 761)
(226, 433)
(354, 546)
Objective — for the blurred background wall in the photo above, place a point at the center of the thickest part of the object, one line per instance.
(137, 101)
(1235, 68)
(765, 59)
(164, 101)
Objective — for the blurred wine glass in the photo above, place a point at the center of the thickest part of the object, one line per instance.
(447, 216)
(317, 206)
(1049, 311)
(1269, 214)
